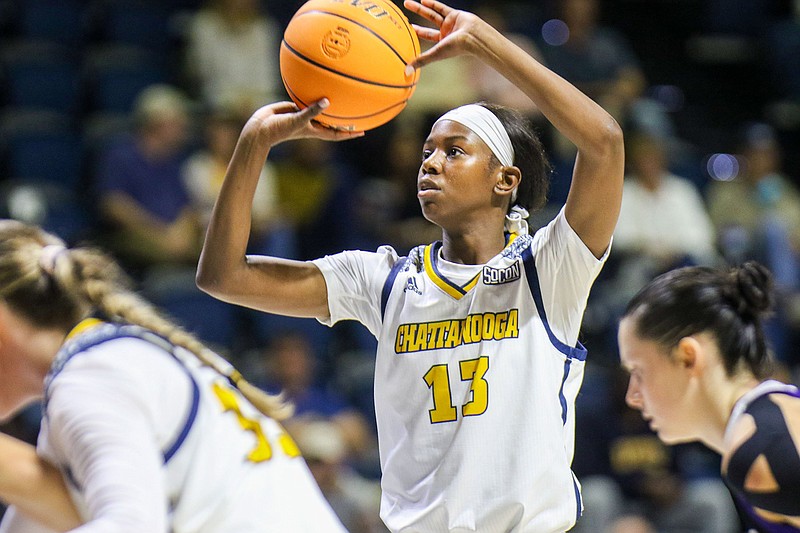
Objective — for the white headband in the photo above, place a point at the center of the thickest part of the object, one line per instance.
(487, 126)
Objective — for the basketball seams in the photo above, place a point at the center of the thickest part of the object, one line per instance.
(362, 26)
(344, 75)
(407, 24)
(362, 117)
(299, 100)
(314, 61)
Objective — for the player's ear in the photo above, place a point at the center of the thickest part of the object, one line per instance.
(689, 354)
(508, 179)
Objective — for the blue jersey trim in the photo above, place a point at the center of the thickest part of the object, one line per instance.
(578, 352)
(389, 283)
(190, 418)
(561, 398)
(70, 477)
(578, 499)
(109, 332)
(430, 258)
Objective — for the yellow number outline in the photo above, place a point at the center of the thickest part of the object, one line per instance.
(474, 370)
(263, 449)
(438, 380)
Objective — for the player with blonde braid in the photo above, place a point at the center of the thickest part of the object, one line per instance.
(151, 430)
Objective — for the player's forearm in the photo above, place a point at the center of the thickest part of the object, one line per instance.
(596, 190)
(34, 486)
(575, 115)
(223, 254)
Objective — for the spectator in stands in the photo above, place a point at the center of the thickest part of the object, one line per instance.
(757, 213)
(232, 54)
(488, 84)
(389, 212)
(354, 499)
(141, 195)
(757, 216)
(663, 220)
(596, 58)
(600, 62)
(205, 169)
(292, 368)
(663, 223)
(315, 195)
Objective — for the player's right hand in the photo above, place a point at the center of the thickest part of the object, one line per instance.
(283, 121)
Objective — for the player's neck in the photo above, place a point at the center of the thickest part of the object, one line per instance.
(723, 395)
(472, 248)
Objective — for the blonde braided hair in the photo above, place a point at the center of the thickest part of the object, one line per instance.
(60, 287)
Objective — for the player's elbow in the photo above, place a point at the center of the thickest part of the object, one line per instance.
(210, 281)
(604, 145)
(610, 136)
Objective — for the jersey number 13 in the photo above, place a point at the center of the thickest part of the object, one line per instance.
(438, 380)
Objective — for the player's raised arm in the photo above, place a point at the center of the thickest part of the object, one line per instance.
(269, 284)
(593, 203)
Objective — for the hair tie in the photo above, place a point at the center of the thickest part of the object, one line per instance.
(49, 256)
(516, 220)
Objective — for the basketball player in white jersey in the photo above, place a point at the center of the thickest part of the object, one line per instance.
(151, 431)
(478, 358)
(693, 341)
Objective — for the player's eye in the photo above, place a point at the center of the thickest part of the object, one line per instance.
(454, 151)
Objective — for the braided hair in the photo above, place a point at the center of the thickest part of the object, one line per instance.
(56, 287)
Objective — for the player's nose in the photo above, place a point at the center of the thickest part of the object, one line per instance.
(633, 397)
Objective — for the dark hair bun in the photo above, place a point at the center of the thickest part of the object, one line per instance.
(754, 288)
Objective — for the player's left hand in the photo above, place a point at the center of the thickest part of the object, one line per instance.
(454, 33)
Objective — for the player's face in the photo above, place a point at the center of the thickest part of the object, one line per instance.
(20, 384)
(457, 176)
(657, 385)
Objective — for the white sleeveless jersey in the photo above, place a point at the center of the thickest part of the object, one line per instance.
(476, 376)
(151, 440)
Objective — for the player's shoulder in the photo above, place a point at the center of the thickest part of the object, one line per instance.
(109, 347)
(767, 421)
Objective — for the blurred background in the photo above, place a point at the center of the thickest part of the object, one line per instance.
(118, 117)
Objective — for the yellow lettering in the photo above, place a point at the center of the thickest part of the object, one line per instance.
(475, 329)
(408, 342)
(400, 344)
(488, 327)
(421, 340)
(453, 334)
(437, 335)
(288, 445)
(512, 330)
(500, 326)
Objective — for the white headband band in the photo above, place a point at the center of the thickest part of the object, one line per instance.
(487, 126)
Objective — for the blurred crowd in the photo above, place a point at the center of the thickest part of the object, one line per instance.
(118, 117)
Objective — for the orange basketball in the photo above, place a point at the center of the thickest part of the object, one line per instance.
(354, 53)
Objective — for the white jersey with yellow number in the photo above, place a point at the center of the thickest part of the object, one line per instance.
(476, 376)
(150, 440)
